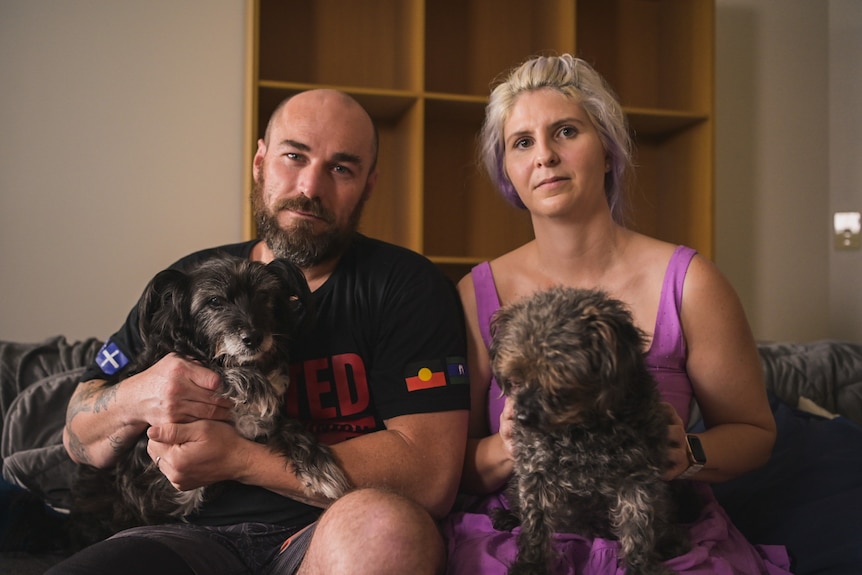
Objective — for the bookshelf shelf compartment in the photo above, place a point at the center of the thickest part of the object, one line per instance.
(424, 70)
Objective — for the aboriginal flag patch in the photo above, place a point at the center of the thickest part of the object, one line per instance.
(425, 375)
(435, 373)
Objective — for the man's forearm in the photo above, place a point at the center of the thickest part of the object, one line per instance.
(95, 431)
(420, 457)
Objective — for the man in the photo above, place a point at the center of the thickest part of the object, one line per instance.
(382, 313)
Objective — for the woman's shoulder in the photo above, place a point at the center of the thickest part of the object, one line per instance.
(646, 260)
(514, 273)
(704, 285)
(515, 258)
(645, 248)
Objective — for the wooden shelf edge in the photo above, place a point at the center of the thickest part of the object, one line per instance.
(653, 122)
(380, 103)
(301, 86)
(457, 260)
(457, 98)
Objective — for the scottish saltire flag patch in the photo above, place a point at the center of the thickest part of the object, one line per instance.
(110, 359)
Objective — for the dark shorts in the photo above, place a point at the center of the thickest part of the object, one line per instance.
(244, 549)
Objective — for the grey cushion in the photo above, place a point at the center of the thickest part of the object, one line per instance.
(31, 446)
(36, 381)
(827, 372)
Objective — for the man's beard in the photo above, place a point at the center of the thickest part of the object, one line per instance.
(299, 244)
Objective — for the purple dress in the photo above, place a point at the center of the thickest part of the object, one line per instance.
(718, 548)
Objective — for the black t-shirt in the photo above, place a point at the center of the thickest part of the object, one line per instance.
(388, 340)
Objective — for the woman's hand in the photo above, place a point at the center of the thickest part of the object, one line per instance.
(507, 422)
(678, 452)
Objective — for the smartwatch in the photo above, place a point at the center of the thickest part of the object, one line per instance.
(696, 456)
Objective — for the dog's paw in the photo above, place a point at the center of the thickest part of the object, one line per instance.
(653, 569)
(186, 502)
(311, 461)
(646, 563)
(504, 519)
(673, 543)
(525, 568)
(324, 478)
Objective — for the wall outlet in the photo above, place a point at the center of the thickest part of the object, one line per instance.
(848, 230)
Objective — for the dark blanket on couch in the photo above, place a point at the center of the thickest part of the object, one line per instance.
(808, 497)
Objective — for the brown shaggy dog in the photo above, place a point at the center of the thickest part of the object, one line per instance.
(590, 433)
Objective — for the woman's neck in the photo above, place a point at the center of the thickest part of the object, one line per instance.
(578, 255)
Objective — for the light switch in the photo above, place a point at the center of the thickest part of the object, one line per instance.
(848, 230)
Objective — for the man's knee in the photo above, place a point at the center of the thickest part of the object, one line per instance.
(375, 531)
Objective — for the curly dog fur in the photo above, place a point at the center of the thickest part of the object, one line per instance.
(590, 435)
(236, 317)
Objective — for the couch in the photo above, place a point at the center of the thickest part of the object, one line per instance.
(808, 497)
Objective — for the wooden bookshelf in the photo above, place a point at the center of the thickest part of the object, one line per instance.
(424, 69)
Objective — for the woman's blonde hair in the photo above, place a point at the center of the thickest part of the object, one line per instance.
(577, 80)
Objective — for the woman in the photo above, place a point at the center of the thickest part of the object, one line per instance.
(555, 142)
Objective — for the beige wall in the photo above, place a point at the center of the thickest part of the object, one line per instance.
(845, 160)
(121, 150)
(781, 78)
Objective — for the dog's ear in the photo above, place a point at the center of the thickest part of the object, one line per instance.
(626, 361)
(498, 329)
(163, 308)
(298, 307)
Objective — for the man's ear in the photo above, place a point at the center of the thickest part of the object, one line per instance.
(258, 158)
(369, 184)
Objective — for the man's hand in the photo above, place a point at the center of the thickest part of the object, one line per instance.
(198, 453)
(103, 421)
(177, 390)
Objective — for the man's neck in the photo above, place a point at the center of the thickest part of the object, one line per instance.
(315, 275)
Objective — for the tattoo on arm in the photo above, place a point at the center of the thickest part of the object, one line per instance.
(104, 399)
(77, 448)
(117, 444)
(90, 397)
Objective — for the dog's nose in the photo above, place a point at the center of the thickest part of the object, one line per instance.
(252, 339)
(527, 419)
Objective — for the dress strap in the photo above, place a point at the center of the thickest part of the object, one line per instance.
(668, 337)
(487, 300)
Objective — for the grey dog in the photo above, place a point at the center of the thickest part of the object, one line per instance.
(236, 317)
(590, 434)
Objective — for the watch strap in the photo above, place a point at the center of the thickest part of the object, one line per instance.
(696, 456)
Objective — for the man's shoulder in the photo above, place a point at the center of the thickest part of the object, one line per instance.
(379, 261)
(391, 269)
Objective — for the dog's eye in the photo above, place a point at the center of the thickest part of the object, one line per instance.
(215, 302)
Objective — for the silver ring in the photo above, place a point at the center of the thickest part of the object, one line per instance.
(158, 460)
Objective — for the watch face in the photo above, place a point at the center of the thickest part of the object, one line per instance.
(696, 449)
